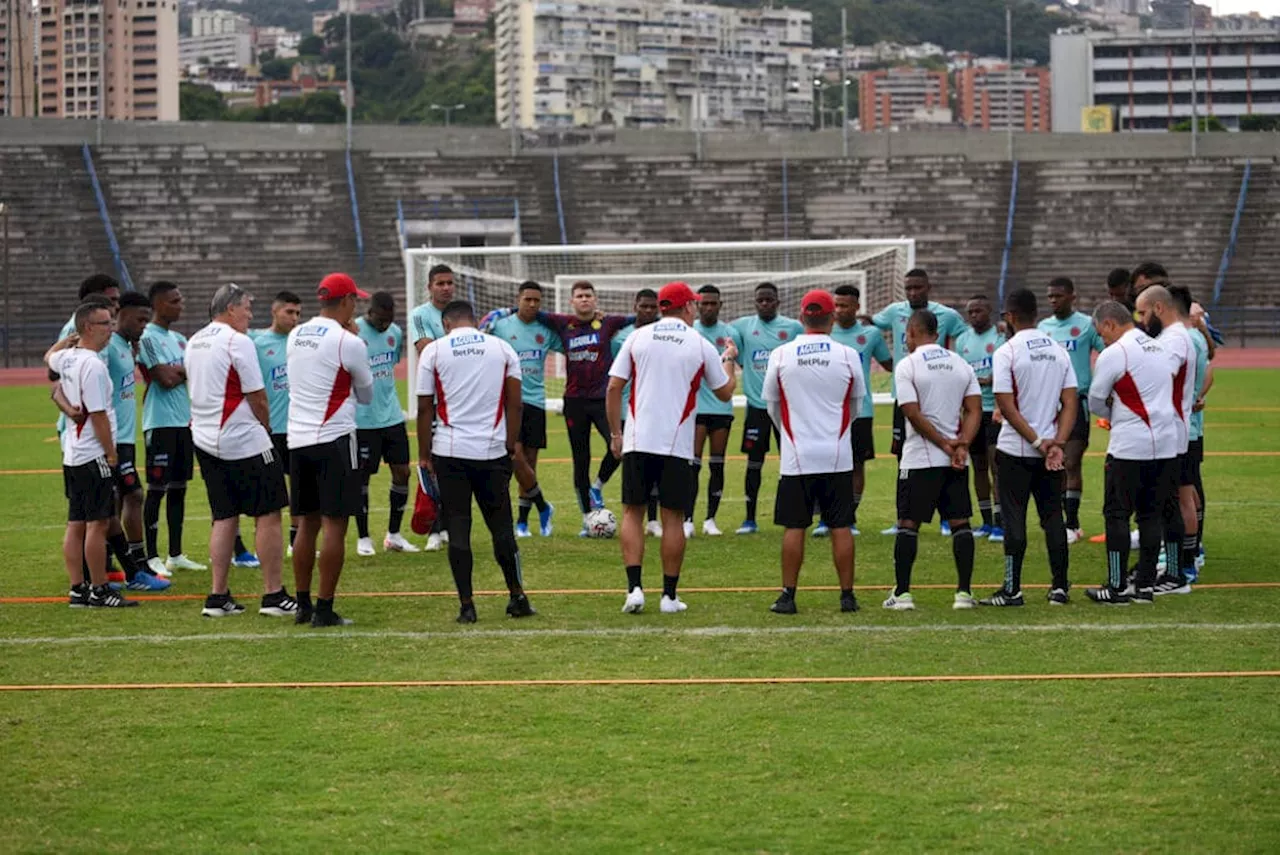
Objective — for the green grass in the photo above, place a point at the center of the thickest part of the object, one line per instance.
(1145, 764)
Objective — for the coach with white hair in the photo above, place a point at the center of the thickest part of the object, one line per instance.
(230, 426)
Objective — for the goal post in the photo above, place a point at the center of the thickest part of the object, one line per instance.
(489, 276)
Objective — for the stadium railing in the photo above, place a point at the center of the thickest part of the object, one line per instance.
(1248, 326)
(1008, 234)
(122, 271)
(555, 172)
(460, 209)
(1229, 251)
(355, 210)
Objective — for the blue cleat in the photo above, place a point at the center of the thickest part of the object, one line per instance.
(597, 499)
(748, 527)
(821, 530)
(145, 581)
(996, 535)
(246, 559)
(853, 530)
(544, 519)
(945, 529)
(982, 530)
(522, 530)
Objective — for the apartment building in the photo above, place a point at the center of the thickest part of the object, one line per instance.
(114, 59)
(652, 63)
(17, 58)
(994, 99)
(895, 98)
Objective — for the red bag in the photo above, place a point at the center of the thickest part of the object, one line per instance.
(425, 506)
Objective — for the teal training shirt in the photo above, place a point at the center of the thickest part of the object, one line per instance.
(977, 348)
(893, 319)
(869, 342)
(1078, 338)
(122, 368)
(759, 339)
(1202, 368)
(719, 334)
(615, 345)
(532, 342)
(425, 322)
(274, 362)
(386, 349)
(161, 407)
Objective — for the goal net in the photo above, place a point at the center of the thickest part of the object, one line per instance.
(489, 276)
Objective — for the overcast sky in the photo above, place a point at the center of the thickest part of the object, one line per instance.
(1233, 7)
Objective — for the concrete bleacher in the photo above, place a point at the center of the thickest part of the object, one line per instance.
(264, 220)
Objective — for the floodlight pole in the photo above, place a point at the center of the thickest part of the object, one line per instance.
(1195, 108)
(349, 89)
(844, 84)
(1008, 79)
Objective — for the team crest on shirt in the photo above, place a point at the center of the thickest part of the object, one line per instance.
(391, 341)
(782, 335)
(990, 348)
(539, 338)
(862, 339)
(271, 353)
(595, 325)
(1075, 331)
(182, 345)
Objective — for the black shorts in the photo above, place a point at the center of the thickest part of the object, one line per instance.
(170, 456)
(1195, 457)
(1080, 430)
(984, 441)
(580, 414)
(326, 479)
(862, 436)
(1139, 488)
(831, 492)
(757, 427)
(489, 481)
(281, 442)
(672, 477)
(251, 486)
(91, 492)
(1188, 469)
(533, 427)
(713, 422)
(940, 488)
(389, 443)
(126, 474)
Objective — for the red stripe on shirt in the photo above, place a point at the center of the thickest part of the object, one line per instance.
(1179, 384)
(341, 391)
(442, 409)
(784, 412)
(232, 396)
(1127, 390)
(690, 402)
(846, 412)
(631, 403)
(502, 397)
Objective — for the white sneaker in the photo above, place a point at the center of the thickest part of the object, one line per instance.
(688, 529)
(364, 546)
(710, 529)
(397, 543)
(964, 600)
(891, 530)
(900, 603)
(1074, 535)
(435, 543)
(444, 535)
(653, 528)
(156, 566)
(635, 602)
(182, 562)
(669, 606)
(1134, 539)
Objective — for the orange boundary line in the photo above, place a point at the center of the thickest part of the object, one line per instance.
(560, 592)
(625, 681)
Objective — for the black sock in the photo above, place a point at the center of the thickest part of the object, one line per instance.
(962, 549)
(118, 545)
(535, 496)
(240, 547)
(138, 555)
(997, 517)
(1150, 542)
(753, 487)
(790, 591)
(715, 486)
(905, 545)
(633, 577)
(399, 497)
(857, 500)
(693, 495)
(1199, 529)
(304, 600)
(460, 562)
(362, 515)
(984, 507)
(1071, 508)
(151, 520)
(526, 505)
(323, 605)
(669, 586)
(293, 533)
(509, 561)
(1117, 551)
(1189, 552)
(84, 570)
(175, 511)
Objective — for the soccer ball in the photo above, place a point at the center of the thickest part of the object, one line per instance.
(602, 523)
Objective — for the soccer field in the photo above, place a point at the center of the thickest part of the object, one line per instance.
(726, 728)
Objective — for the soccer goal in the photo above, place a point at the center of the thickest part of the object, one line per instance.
(489, 276)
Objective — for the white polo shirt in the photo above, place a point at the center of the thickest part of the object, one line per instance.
(326, 365)
(938, 380)
(222, 368)
(1034, 369)
(1182, 351)
(86, 383)
(666, 362)
(1133, 388)
(817, 385)
(467, 372)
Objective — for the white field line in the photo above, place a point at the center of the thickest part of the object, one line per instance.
(631, 632)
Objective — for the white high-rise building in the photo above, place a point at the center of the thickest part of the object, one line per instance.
(218, 22)
(652, 63)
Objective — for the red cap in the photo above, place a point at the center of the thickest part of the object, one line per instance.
(337, 285)
(674, 295)
(425, 512)
(817, 302)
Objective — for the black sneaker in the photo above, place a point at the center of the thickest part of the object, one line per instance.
(1004, 598)
(78, 596)
(1141, 596)
(467, 614)
(105, 598)
(221, 605)
(848, 602)
(279, 604)
(1108, 596)
(304, 613)
(1058, 597)
(518, 607)
(784, 605)
(1167, 583)
(329, 618)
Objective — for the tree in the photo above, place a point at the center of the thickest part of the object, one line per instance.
(197, 103)
(277, 69)
(1260, 123)
(1205, 123)
(311, 46)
